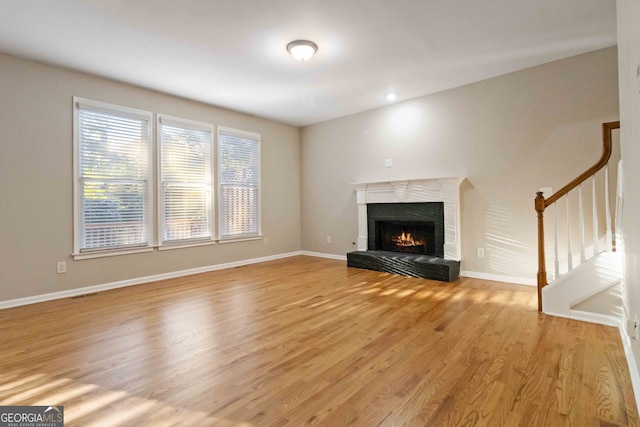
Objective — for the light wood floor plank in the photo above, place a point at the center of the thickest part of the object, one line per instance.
(308, 341)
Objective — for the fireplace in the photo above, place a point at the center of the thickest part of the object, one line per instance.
(414, 228)
(409, 228)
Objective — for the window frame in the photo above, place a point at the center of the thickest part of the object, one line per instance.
(246, 236)
(78, 201)
(153, 216)
(184, 243)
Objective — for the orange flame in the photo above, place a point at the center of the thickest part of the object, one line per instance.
(406, 239)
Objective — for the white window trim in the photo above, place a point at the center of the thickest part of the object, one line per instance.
(154, 197)
(77, 223)
(112, 252)
(239, 237)
(182, 245)
(162, 245)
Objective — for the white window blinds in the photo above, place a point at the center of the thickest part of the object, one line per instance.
(185, 180)
(112, 191)
(239, 183)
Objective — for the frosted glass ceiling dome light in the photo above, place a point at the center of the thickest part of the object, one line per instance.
(302, 50)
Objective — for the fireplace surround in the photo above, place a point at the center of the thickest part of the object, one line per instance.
(431, 206)
(423, 221)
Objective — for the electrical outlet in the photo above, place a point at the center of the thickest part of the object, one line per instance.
(388, 163)
(265, 241)
(328, 239)
(633, 329)
(480, 252)
(61, 267)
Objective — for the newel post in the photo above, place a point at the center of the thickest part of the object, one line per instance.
(542, 273)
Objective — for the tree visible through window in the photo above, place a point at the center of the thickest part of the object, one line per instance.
(112, 151)
(239, 183)
(114, 195)
(185, 180)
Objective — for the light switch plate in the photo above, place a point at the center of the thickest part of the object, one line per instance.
(61, 267)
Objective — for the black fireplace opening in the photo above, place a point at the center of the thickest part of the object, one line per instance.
(422, 224)
(410, 237)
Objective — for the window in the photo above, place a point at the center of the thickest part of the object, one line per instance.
(238, 183)
(111, 177)
(114, 194)
(185, 174)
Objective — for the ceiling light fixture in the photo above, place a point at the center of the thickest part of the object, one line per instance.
(391, 96)
(302, 50)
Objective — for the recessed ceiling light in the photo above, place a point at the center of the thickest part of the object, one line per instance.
(391, 96)
(302, 50)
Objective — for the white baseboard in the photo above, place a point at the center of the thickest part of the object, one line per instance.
(323, 255)
(137, 281)
(472, 274)
(529, 281)
(585, 316)
(632, 363)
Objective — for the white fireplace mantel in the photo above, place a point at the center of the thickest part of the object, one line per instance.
(446, 190)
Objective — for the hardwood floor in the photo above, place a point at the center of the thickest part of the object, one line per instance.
(308, 341)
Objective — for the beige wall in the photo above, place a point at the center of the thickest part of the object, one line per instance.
(36, 197)
(629, 61)
(508, 136)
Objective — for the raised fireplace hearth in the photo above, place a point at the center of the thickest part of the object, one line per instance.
(409, 228)
(412, 265)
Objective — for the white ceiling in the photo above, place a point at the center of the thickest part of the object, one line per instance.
(233, 53)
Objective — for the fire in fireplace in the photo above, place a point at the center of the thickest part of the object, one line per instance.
(405, 240)
(414, 237)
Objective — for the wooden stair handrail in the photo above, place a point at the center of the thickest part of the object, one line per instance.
(604, 159)
(541, 203)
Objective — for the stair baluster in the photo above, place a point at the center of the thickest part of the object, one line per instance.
(555, 242)
(583, 256)
(607, 212)
(569, 253)
(594, 207)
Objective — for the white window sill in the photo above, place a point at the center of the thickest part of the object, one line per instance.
(169, 246)
(114, 252)
(239, 239)
(165, 247)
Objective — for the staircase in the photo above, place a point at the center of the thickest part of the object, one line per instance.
(585, 284)
(589, 282)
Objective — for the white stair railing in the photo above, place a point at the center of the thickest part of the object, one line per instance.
(564, 260)
(586, 252)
